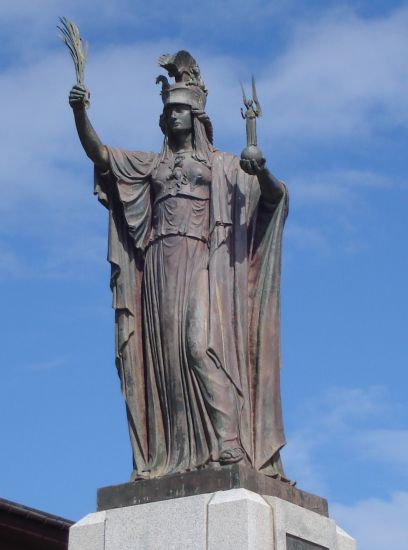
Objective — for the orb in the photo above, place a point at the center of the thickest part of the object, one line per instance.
(252, 152)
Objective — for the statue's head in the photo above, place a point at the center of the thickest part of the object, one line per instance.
(184, 101)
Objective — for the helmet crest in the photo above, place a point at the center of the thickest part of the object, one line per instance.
(189, 88)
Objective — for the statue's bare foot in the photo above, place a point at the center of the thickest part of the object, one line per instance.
(230, 456)
(139, 476)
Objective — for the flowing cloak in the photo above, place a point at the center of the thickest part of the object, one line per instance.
(244, 288)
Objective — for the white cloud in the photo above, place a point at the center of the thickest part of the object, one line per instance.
(300, 463)
(10, 262)
(349, 422)
(387, 446)
(342, 76)
(346, 407)
(239, 11)
(42, 13)
(341, 423)
(376, 524)
(307, 237)
(76, 259)
(35, 133)
(339, 206)
(341, 187)
(27, 9)
(48, 364)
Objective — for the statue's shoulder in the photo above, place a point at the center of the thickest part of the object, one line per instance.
(135, 156)
(144, 155)
(131, 166)
(226, 160)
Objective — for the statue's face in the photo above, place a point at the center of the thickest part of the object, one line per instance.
(179, 118)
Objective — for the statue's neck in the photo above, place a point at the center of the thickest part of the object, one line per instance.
(181, 142)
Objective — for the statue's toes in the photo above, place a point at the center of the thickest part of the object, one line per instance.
(231, 456)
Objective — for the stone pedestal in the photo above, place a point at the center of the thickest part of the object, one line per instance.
(208, 480)
(234, 519)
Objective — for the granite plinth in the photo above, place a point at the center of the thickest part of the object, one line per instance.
(235, 519)
(209, 480)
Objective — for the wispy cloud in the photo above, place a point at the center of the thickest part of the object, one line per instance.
(387, 446)
(307, 237)
(48, 364)
(376, 524)
(345, 407)
(10, 262)
(75, 259)
(341, 187)
(342, 423)
(300, 462)
(353, 422)
(333, 208)
(342, 76)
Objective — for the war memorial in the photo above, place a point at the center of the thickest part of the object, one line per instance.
(195, 237)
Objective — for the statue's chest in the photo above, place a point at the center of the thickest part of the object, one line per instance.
(182, 176)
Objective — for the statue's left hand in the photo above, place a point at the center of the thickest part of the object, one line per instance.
(252, 167)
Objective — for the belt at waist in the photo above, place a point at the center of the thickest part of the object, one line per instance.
(172, 233)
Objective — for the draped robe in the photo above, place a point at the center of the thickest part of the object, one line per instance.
(244, 287)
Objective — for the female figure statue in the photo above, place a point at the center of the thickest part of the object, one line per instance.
(195, 250)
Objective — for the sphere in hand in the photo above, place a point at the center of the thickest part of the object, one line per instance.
(252, 153)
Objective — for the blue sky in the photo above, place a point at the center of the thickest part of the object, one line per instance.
(332, 78)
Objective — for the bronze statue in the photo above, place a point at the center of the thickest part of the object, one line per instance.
(195, 249)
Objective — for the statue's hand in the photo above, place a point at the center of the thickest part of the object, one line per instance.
(252, 167)
(79, 97)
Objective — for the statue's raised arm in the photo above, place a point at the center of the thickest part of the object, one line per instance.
(93, 146)
(79, 96)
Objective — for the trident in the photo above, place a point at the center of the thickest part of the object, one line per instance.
(253, 111)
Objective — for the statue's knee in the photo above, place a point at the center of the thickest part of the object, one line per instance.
(196, 350)
(196, 326)
(196, 341)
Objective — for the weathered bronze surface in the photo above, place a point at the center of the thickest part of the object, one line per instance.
(234, 476)
(294, 543)
(195, 248)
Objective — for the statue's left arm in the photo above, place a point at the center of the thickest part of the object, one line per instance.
(272, 190)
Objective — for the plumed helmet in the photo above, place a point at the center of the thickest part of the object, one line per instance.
(189, 88)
